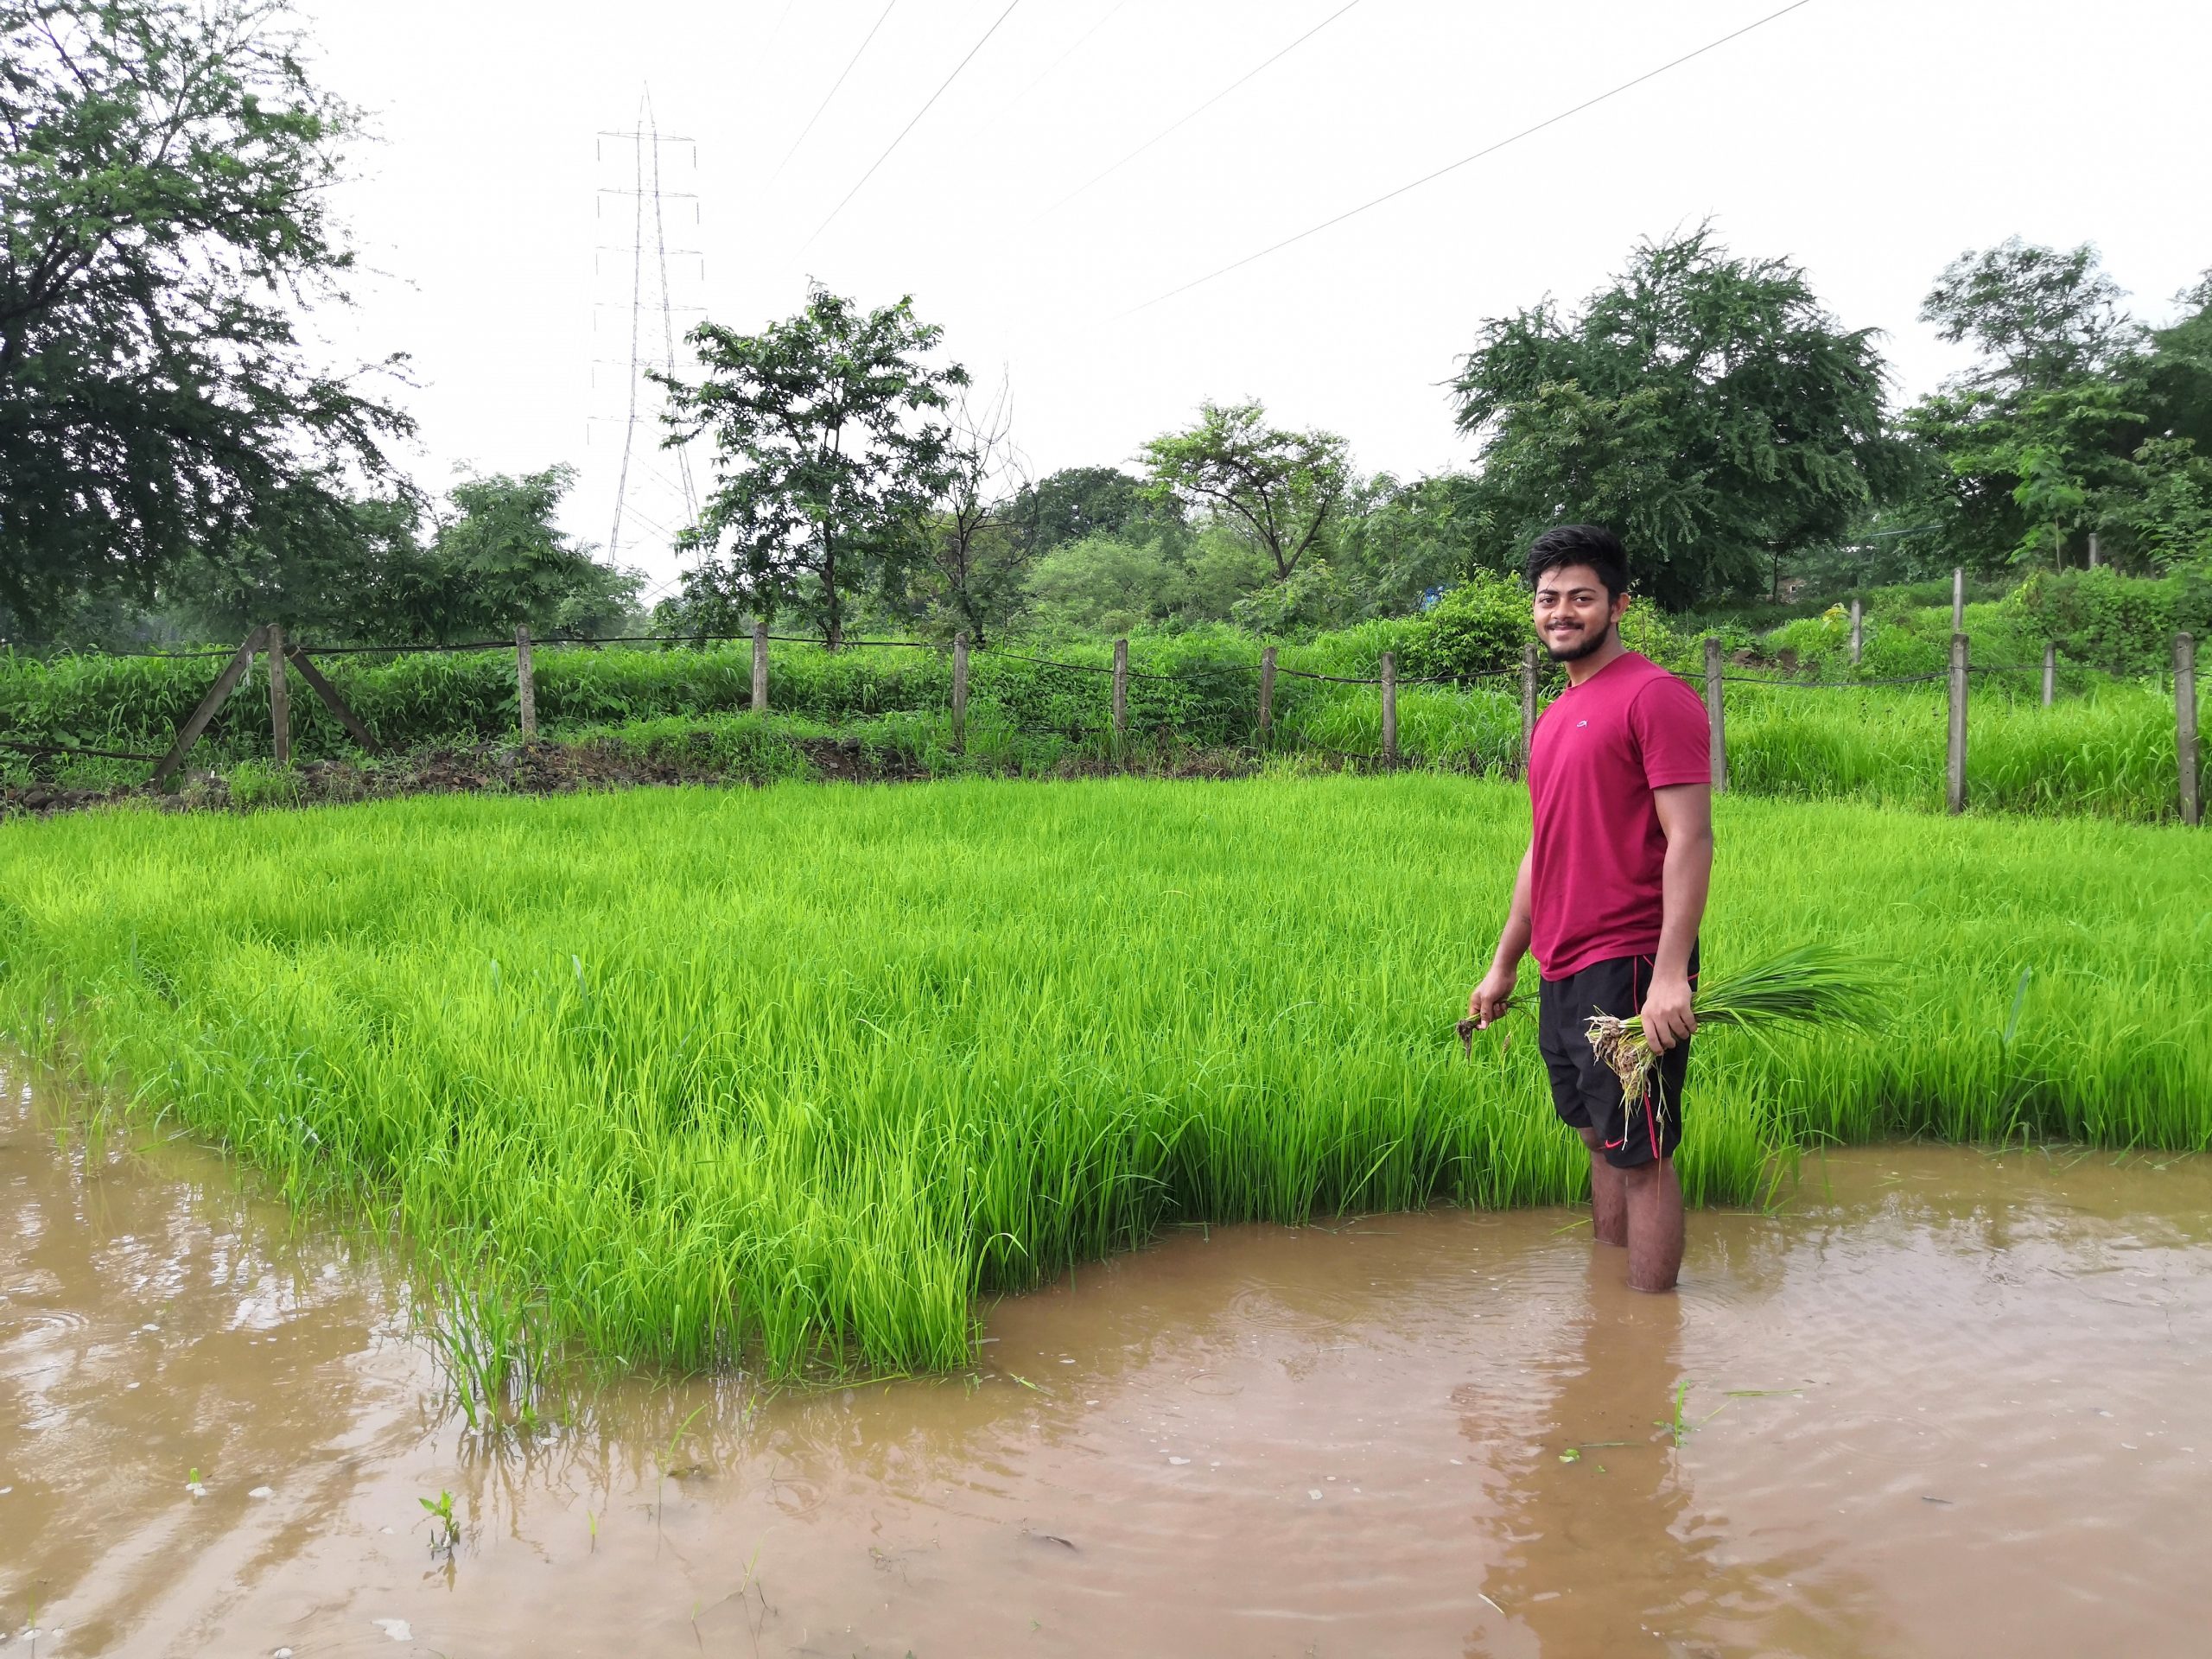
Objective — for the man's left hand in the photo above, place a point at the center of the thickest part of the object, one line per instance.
(1667, 1017)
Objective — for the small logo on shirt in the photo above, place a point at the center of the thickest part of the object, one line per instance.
(1579, 724)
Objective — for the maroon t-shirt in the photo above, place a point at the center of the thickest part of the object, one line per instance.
(1598, 751)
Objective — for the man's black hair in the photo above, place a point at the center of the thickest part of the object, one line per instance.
(1591, 544)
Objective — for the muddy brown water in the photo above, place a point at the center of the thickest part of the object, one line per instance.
(1946, 1402)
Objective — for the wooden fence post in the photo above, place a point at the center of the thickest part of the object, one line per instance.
(280, 698)
(1858, 630)
(323, 689)
(959, 693)
(1391, 709)
(1528, 704)
(217, 695)
(2049, 672)
(760, 668)
(1716, 717)
(1268, 698)
(525, 683)
(1958, 598)
(1121, 695)
(1954, 767)
(2185, 753)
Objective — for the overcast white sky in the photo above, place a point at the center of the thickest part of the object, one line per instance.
(1871, 140)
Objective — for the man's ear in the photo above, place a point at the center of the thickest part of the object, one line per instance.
(1621, 605)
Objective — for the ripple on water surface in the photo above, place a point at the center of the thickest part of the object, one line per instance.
(1942, 1403)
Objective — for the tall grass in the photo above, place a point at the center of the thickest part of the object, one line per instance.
(794, 1075)
(2106, 749)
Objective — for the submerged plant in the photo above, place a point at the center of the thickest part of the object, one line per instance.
(445, 1529)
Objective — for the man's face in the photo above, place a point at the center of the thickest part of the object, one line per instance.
(1574, 614)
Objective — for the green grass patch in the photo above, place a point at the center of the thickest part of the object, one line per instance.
(793, 1076)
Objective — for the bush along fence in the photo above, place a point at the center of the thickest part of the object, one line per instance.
(1113, 713)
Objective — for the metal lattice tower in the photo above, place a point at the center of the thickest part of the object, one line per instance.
(645, 493)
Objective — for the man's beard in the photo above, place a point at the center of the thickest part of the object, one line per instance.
(1590, 646)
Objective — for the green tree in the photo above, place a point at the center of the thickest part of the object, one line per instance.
(980, 539)
(330, 568)
(361, 570)
(1706, 407)
(1400, 542)
(1078, 501)
(2075, 420)
(2041, 317)
(827, 457)
(500, 560)
(2177, 369)
(164, 185)
(1281, 489)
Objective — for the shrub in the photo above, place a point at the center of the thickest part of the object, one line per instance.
(2124, 623)
(1479, 627)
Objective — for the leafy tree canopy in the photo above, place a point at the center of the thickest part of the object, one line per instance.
(164, 185)
(362, 570)
(1706, 407)
(1078, 501)
(2041, 316)
(1282, 489)
(828, 456)
(2076, 421)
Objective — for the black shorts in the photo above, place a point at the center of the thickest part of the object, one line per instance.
(1584, 1088)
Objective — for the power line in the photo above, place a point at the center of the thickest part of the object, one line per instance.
(1490, 150)
(1194, 114)
(1045, 73)
(831, 93)
(909, 127)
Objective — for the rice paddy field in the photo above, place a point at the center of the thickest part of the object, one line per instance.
(791, 1078)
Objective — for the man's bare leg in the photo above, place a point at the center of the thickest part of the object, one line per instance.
(1654, 1196)
(1608, 1194)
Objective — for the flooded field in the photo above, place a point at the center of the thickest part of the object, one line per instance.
(1943, 1403)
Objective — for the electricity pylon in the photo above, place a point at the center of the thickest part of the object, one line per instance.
(644, 493)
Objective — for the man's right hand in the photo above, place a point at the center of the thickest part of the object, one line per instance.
(1488, 1000)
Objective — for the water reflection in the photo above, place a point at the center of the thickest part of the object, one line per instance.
(1943, 1406)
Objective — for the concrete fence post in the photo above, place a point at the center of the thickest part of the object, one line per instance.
(1954, 767)
(1121, 696)
(1716, 713)
(1528, 704)
(959, 693)
(2185, 751)
(280, 698)
(525, 683)
(1389, 709)
(760, 668)
(1267, 696)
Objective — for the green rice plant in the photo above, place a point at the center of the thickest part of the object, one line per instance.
(487, 1340)
(791, 1078)
(1804, 984)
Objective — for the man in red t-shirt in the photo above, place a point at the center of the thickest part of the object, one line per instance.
(1612, 889)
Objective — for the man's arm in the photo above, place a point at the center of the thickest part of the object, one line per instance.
(1487, 1001)
(1685, 819)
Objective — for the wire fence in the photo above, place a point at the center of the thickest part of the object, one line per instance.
(1265, 733)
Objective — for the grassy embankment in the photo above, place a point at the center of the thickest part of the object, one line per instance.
(794, 1077)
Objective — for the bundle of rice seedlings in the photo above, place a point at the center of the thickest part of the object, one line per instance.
(1806, 985)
